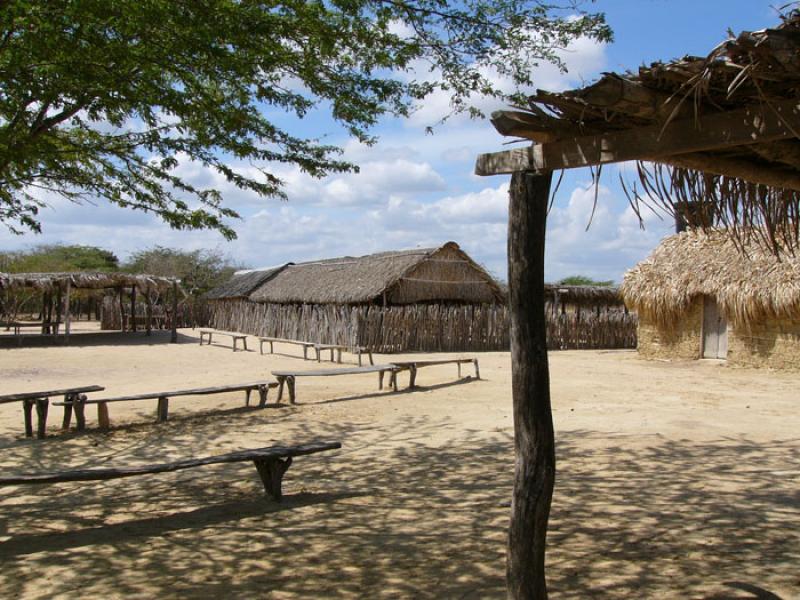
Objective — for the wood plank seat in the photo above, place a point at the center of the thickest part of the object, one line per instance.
(272, 340)
(231, 334)
(41, 400)
(412, 366)
(162, 409)
(271, 463)
(318, 349)
(288, 377)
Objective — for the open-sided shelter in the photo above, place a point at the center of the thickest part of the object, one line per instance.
(720, 130)
(56, 288)
(699, 295)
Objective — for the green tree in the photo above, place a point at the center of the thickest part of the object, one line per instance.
(102, 99)
(198, 270)
(583, 280)
(52, 258)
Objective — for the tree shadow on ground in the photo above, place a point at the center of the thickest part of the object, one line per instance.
(415, 510)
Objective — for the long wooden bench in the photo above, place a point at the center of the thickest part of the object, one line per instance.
(41, 400)
(271, 463)
(318, 349)
(412, 366)
(272, 340)
(231, 334)
(288, 377)
(162, 409)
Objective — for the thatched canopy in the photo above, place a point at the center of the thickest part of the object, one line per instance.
(748, 286)
(722, 130)
(83, 279)
(244, 283)
(585, 295)
(407, 276)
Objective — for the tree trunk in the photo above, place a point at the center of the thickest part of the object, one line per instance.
(534, 443)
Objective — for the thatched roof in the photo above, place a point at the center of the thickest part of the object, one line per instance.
(749, 286)
(83, 279)
(588, 295)
(444, 273)
(241, 285)
(722, 130)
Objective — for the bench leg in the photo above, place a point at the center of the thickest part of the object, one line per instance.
(79, 406)
(290, 385)
(305, 352)
(319, 354)
(271, 471)
(102, 415)
(332, 355)
(271, 348)
(281, 381)
(162, 410)
(42, 404)
(459, 369)
(380, 380)
(27, 407)
(68, 399)
(477, 370)
(359, 357)
(393, 380)
(371, 363)
(261, 347)
(247, 397)
(412, 378)
(263, 390)
(244, 343)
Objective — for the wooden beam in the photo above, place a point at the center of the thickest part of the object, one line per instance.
(534, 440)
(720, 131)
(779, 176)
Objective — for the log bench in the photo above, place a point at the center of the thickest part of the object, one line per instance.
(78, 404)
(271, 463)
(412, 366)
(318, 349)
(271, 341)
(288, 377)
(231, 334)
(18, 326)
(41, 400)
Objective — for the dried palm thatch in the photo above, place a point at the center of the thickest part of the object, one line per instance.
(585, 295)
(751, 187)
(402, 277)
(83, 279)
(243, 283)
(750, 284)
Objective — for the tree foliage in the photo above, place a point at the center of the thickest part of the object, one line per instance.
(198, 270)
(57, 258)
(583, 280)
(105, 99)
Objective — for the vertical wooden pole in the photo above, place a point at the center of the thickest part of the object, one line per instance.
(59, 308)
(534, 442)
(133, 308)
(148, 308)
(174, 337)
(121, 310)
(67, 314)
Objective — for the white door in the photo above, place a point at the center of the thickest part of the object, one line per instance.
(715, 330)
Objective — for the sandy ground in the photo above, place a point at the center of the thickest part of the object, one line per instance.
(675, 480)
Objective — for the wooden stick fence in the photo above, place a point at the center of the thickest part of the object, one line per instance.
(419, 327)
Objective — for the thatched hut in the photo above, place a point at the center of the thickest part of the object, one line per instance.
(698, 295)
(421, 299)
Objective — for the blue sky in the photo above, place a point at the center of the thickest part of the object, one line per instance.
(418, 190)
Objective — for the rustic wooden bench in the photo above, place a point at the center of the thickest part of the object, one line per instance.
(288, 377)
(231, 334)
(78, 404)
(271, 463)
(41, 400)
(272, 340)
(413, 365)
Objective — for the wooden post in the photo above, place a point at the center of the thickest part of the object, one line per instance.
(42, 404)
(534, 442)
(67, 315)
(148, 309)
(133, 308)
(102, 415)
(271, 470)
(162, 410)
(174, 337)
(121, 310)
(59, 308)
(79, 406)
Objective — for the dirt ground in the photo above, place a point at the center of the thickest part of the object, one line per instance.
(675, 480)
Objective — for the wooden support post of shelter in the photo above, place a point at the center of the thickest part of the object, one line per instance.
(534, 441)
(121, 310)
(174, 336)
(133, 308)
(67, 315)
(148, 308)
